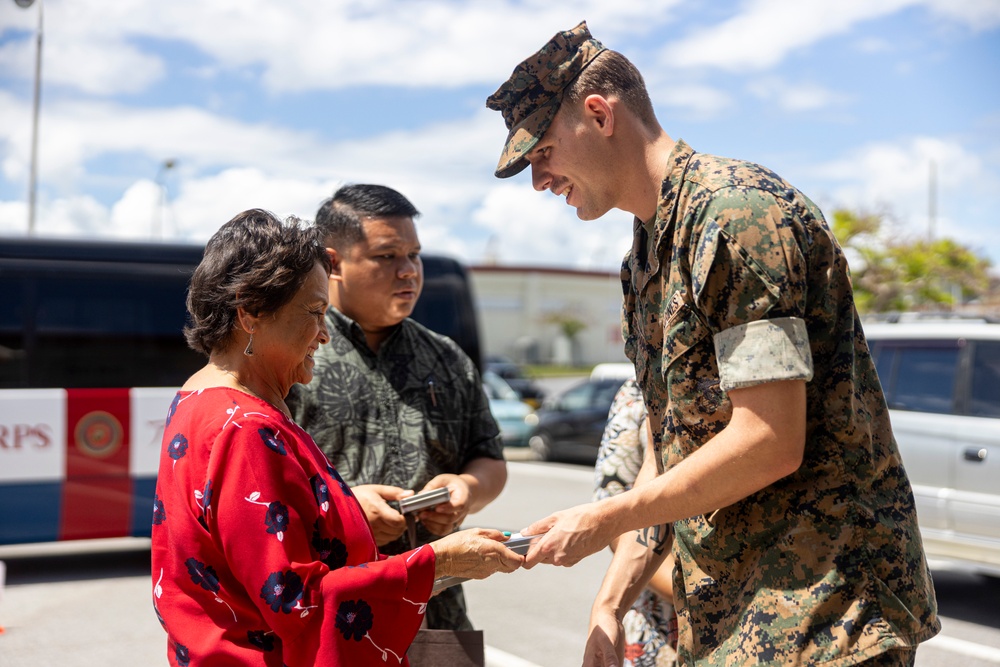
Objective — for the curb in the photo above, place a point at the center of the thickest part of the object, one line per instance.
(519, 454)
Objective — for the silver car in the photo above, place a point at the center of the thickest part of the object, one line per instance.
(942, 382)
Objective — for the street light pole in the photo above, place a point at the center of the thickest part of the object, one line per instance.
(161, 181)
(33, 177)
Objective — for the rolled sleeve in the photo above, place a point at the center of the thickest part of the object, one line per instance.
(763, 351)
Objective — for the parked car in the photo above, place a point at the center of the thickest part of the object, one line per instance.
(508, 409)
(942, 384)
(570, 424)
(529, 391)
(622, 370)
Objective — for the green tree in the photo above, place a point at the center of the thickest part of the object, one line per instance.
(890, 272)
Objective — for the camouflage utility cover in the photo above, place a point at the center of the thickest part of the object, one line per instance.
(825, 565)
(412, 411)
(530, 98)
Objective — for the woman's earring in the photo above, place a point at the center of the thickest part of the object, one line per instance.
(249, 350)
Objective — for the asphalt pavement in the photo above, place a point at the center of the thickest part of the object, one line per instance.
(83, 604)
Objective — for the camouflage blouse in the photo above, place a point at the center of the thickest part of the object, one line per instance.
(739, 281)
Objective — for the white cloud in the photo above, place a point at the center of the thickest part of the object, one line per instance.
(85, 47)
(204, 204)
(537, 228)
(976, 14)
(138, 214)
(444, 43)
(699, 99)
(794, 97)
(767, 31)
(74, 216)
(304, 45)
(873, 45)
(13, 217)
(225, 165)
(894, 178)
(76, 131)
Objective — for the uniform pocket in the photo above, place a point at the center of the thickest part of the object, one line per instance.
(691, 375)
(682, 331)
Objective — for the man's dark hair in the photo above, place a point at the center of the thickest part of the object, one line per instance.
(609, 74)
(339, 218)
(255, 261)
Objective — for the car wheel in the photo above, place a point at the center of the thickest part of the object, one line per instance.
(541, 446)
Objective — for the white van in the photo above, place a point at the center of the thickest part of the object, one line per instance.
(942, 382)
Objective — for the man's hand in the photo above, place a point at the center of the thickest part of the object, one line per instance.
(387, 524)
(446, 517)
(605, 642)
(570, 536)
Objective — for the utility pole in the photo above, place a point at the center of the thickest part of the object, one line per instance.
(33, 177)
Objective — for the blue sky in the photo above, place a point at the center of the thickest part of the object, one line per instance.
(274, 105)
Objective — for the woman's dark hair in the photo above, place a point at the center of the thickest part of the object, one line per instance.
(340, 217)
(611, 73)
(255, 261)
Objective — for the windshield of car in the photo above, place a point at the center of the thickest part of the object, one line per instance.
(496, 388)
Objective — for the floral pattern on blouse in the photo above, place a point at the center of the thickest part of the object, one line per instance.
(248, 541)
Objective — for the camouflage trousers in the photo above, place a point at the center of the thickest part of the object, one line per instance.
(447, 611)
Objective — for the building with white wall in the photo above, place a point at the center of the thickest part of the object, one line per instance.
(525, 313)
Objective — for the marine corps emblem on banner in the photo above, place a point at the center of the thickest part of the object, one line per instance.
(98, 434)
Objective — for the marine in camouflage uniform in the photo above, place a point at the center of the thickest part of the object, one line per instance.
(734, 282)
(739, 281)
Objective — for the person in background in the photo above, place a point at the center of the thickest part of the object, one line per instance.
(396, 407)
(260, 554)
(795, 531)
(650, 626)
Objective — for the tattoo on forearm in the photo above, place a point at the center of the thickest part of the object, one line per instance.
(655, 537)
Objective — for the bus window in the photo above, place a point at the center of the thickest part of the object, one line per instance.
(112, 331)
(13, 357)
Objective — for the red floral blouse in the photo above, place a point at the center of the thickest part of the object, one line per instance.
(262, 555)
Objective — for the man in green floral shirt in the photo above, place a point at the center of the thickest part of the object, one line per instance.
(396, 407)
(795, 531)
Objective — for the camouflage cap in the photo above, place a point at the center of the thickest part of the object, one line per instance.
(530, 98)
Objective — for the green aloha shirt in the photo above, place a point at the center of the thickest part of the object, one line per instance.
(739, 281)
(413, 410)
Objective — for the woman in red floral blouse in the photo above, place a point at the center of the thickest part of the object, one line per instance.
(261, 555)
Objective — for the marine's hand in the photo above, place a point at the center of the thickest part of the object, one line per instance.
(570, 536)
(387, 524)
(475, 553)
(446, 517)
(605, 642)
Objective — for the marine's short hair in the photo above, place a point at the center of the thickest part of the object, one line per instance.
(340, 218)
(255, 261)
(612, 74)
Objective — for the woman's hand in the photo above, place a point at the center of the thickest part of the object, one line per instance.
(474, 554)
